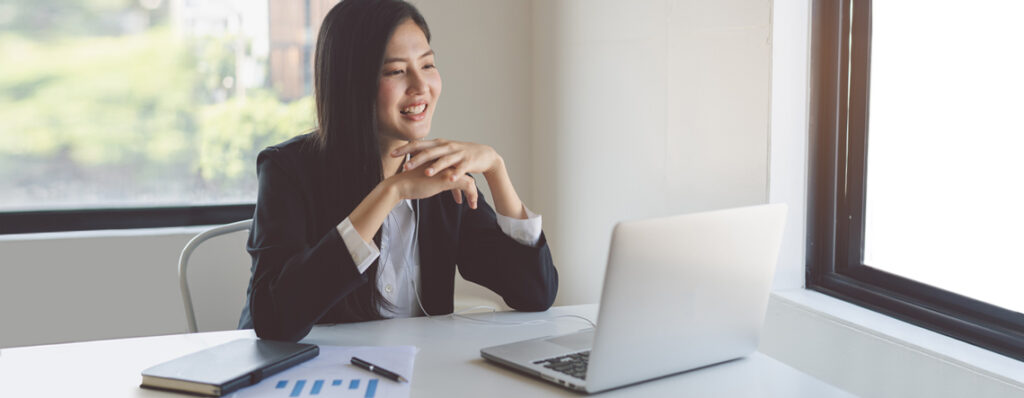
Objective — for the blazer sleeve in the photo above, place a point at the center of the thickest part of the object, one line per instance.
(296, 280)
(524, 276)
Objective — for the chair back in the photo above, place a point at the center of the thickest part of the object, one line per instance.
(183, 260)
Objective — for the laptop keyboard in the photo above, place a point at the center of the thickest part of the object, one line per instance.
(574, 365)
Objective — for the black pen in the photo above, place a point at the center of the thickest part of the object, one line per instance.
(377, 369)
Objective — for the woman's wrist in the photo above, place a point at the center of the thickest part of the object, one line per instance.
(389, 191)
(506, 201)
(368, 216)
(497, 176)
(497, 169)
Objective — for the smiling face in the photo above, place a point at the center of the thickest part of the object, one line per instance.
(409, 85)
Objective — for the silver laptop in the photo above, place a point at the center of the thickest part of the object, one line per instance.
(680, 292)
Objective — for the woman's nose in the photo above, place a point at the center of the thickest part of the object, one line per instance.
(417, 83)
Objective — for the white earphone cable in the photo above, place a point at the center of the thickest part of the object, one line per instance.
(459, 314)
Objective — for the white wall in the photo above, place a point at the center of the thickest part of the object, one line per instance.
(95, 285)
(789, 105)
(644, 109)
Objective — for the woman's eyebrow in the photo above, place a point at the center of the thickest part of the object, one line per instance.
(390, 60)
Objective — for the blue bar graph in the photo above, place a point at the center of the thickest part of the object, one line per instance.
(371, 388)
(298, 388)
(318, 386)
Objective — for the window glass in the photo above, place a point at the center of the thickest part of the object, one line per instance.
(945, 179)
(126, 103)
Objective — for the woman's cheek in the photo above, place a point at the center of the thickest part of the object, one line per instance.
(385, 94)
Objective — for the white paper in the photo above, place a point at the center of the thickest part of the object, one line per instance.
(331, 374)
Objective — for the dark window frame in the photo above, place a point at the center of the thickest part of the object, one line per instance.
(121, 218)
(839, 93)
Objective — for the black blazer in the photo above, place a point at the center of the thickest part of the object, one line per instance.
(301, 268)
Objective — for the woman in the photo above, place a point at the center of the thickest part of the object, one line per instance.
(367, 179)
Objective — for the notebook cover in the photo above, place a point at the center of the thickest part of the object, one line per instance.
(232, 365)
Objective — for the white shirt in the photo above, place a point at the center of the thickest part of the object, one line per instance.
(399, 265)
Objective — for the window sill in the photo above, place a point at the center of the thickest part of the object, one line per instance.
(903, 335)
(106, 233)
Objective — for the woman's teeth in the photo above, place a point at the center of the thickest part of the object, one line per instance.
(414, 110)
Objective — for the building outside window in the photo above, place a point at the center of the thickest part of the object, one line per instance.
(148, 103)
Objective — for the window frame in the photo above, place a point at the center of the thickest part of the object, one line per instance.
(121, 218)
(840, 61)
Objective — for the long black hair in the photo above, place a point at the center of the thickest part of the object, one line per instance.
(348, 61)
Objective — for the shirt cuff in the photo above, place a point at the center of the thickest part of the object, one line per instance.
(363, 253)
(526, 232)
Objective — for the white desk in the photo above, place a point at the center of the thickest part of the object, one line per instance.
(448, 363)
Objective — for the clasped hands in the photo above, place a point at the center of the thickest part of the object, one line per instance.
(438, 165)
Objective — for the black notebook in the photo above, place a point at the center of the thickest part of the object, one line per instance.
(222, 369)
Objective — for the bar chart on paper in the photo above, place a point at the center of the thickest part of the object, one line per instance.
(327, 388)
(331, 375)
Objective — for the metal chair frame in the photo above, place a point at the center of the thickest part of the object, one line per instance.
(186, 294)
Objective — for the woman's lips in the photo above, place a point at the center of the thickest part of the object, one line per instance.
(416, 116)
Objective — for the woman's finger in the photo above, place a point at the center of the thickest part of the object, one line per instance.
(413, 147)
(416, 146)
(456, 189)
(458, 171)
(444, 162)
(429, 154)
(470, 191)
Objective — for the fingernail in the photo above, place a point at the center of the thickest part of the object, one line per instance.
(430, 171)
(454, 177)
(408, 166)
(394, 152)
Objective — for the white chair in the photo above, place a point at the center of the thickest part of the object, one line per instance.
(186, 294)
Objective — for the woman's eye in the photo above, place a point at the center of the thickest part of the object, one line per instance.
(429, 66)
(393, 73)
